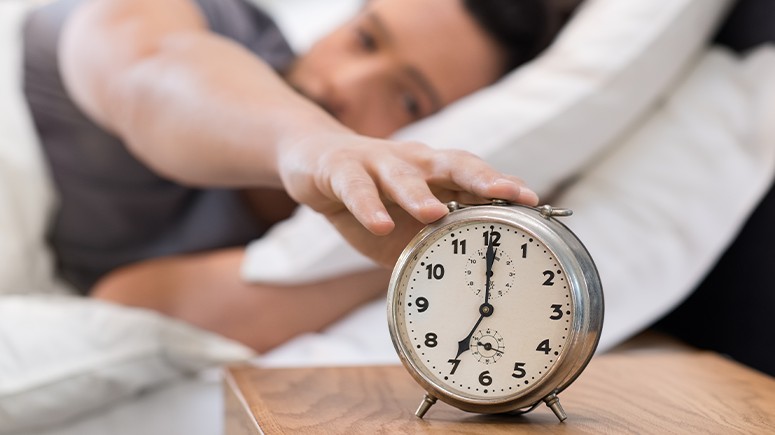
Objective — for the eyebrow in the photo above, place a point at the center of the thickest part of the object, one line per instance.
(412, 72)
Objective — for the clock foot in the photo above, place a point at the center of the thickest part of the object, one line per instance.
(553, 402)
(425, 405)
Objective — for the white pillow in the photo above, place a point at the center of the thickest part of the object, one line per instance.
(64, 356)
(544, 122)
(657, 212)
(606, 70)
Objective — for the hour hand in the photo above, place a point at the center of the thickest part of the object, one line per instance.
(465, 344)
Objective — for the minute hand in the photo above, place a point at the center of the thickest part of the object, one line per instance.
(490, 259)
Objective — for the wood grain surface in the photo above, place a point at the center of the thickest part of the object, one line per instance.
(627, 392)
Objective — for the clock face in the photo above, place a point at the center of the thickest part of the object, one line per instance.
(484, 310)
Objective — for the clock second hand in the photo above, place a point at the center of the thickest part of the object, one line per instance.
(485, 310)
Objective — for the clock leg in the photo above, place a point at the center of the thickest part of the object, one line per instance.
(553, 402)
(425, 405)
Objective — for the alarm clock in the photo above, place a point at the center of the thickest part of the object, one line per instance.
(495, 308)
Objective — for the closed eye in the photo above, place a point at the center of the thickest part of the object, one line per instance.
(366, 40)
(411, 105)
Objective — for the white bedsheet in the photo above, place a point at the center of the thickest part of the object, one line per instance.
(191, 406)
(194, 406)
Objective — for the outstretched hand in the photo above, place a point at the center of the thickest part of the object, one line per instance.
(370, 187)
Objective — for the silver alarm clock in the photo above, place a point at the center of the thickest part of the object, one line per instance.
(495, 308)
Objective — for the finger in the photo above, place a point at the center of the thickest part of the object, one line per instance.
(525, 196)
(461, 197)
(357, 191)
(383, 250)
(469, 173)
(405, 185)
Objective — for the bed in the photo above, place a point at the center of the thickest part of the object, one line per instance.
(661, 126)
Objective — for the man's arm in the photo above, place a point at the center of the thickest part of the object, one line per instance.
(151, 72)
(205, 290)
(204, 111)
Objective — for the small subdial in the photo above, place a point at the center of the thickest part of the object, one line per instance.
(487, 346)
(503, 273)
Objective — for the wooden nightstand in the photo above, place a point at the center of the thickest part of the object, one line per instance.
(668, 390)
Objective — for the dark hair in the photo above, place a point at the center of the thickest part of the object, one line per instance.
(522, 27)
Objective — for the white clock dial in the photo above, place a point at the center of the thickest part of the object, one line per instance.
(484, 338)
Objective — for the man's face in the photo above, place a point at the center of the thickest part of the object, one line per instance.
(396, 62)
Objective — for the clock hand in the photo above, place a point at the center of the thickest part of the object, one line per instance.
(485, 310)
(490, 259)
(465, 344)
(488, 346)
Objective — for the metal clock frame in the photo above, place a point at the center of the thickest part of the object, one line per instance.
(586, 293)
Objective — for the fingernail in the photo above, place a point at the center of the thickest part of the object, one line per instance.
(431, 202)
(382, 216)
(528, 195)
(506, 181)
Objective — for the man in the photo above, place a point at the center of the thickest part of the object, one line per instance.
(163, 99)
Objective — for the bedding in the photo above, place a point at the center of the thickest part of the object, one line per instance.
(712, 137)
(64, 356)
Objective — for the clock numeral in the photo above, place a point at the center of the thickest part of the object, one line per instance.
(485, 378)
(431, 339)
(519, 371)
(549, 277)
(493, 237)
(557, 309)
(422, 304)
(455, 363)
(435, 271)
(544, 347)
(459, 246)
(524, 250)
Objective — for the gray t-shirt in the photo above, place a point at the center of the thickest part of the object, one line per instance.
(113, 210)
